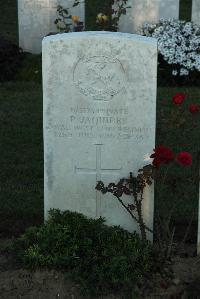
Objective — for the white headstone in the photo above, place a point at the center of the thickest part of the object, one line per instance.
(196, 11)
(36, 20)
(99, 119)
(142, 11)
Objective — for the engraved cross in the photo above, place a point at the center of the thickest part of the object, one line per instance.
(98, 171)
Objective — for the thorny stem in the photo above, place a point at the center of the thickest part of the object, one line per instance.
(127, 209)
(188, 229)
(169, 249)
(165, 175)
(140, 220)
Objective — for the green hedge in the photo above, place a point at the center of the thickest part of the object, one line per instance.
(101, 259)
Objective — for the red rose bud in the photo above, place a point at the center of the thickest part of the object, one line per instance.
(162, 155)
(184, 159)
(193, 108)
(179, 98)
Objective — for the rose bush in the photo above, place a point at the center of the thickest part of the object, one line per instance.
(165, 168)
(106, 20)
(66, 22)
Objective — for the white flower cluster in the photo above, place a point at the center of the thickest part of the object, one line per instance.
(178, 43)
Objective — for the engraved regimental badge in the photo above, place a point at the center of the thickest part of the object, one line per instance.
(99, 77)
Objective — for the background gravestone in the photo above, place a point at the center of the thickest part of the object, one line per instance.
(36, 20)
(142, 11)
(99, 119)
(196, 11)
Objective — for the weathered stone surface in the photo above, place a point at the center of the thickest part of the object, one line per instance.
(142, 11)
(99, 119)
(196, 11)
(36, 20)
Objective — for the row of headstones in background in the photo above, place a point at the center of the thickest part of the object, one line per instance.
(36, 18)
(152, 11)
(196, 11)
(97, 86)
(147, 11)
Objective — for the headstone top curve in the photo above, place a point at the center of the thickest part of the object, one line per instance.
(105, 34)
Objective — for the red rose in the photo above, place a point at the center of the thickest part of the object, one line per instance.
(179, 98)
(193, 108)
(184, 159)
(162, 155)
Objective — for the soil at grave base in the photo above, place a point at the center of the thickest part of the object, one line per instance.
(16, 282)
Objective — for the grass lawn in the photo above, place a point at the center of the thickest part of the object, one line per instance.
(21, 159)
(21, 173)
